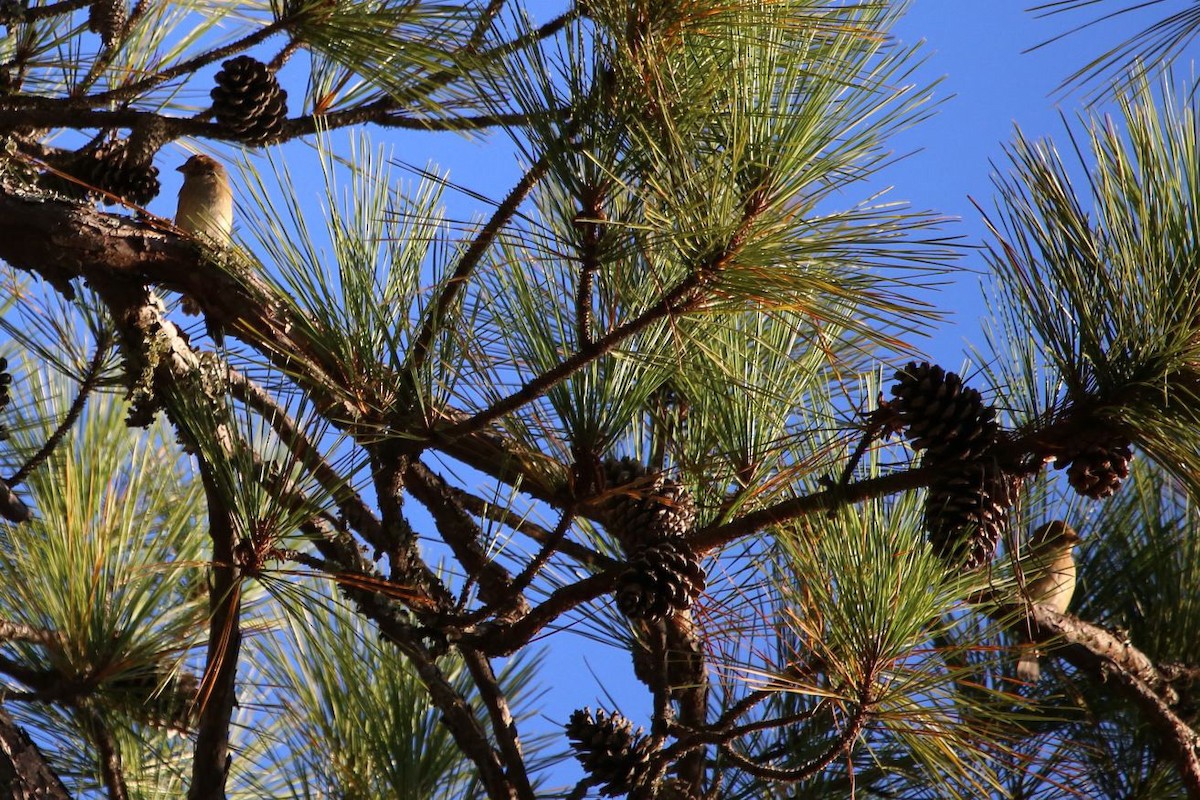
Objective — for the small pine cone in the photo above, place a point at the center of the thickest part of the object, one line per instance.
(610, 751)
(662, 578)
(1097, 469)
(943, 417)
(107, 18)
(110, 168)
(623, 470)
(646, 509)
(248, 101)
(966, 513)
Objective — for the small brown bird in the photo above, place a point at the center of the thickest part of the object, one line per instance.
(205, 202)
(1050, 582)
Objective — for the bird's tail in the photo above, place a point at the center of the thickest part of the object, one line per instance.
(1028, 669)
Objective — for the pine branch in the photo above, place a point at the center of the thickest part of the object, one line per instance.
(503, 639)
(459, 531)
(387, 473)
(840, 744)
(1112, 658)
(715, 536)
(355, 510)
(133, 90)
(210, 764)
(504, 727)
(686, 296)
(498, 513)
(110, 759)
(19, 632)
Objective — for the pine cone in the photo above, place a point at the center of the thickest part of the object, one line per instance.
(646, 510)
(1096, 470)
(623, 470)
(248, 101)
(966, 513)
(110, 168)
(662, 578)
(610, 751)
(107, 18)
(942, 416)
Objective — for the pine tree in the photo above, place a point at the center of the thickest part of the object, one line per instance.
(662, 397)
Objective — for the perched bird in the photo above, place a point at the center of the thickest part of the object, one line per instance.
(1050, 582)
(205, 202)
(205, 210)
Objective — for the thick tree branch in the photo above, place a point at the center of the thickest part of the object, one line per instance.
(210, 765)
(1113, 659)
(24, 773)
(463, 536)
(504, 727)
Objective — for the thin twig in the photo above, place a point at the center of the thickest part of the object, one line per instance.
(133, 90)
(504, 639)
(494, 511)
(356, 511)
(91, 378)
(681, 299)
(840, 744)
(684, 297)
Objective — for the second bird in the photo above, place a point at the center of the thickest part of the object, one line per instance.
(1050, 582)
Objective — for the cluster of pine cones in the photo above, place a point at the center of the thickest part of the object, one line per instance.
(119, 170)
(108, 18)
(650, 516)
(966, 512)
(248, 104)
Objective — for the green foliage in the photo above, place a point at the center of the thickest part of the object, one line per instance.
(380, 480)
